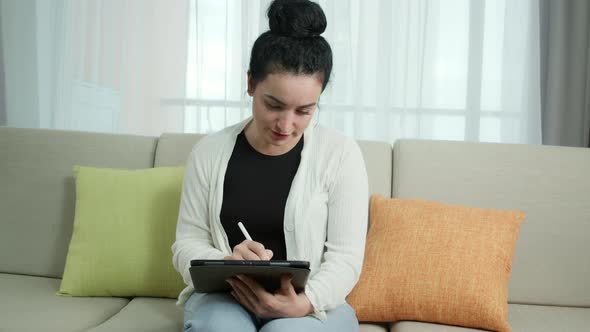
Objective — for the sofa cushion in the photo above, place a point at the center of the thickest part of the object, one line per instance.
(124, 227)
(29, 304)
(37, 190)
(541, 318)
(162, 315)
(521, 317)
(434, 262)
(174, 149)
(378, 160)
(146, 315)
(550, 184)
(408, 326)
(367, 327)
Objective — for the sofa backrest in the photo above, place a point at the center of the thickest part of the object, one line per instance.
(37, 193)
(173, 150)
(550, 184)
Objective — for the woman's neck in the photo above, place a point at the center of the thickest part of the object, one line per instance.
(257, 141)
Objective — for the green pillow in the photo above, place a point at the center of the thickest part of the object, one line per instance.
(124, 226)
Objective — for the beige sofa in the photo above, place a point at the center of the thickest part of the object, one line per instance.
(550, 285)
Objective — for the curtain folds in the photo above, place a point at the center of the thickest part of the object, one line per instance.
(96, 65)
(453, 69)
(566, 72)
(2, 80)
(433, 69)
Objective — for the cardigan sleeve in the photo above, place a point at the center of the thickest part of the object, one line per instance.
(346, 231)
(193, 234)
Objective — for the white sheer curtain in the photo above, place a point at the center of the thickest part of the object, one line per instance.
(446, 69)
(435, 69)
(95, 65)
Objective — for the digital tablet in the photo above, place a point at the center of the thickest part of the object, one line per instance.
(209, 275)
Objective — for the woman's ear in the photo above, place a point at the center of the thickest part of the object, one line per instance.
(250, 85)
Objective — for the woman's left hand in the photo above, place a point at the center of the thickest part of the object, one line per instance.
(285, 302)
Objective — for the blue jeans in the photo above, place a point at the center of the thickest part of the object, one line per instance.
(220, 312)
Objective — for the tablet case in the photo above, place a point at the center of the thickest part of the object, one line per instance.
(209, 276)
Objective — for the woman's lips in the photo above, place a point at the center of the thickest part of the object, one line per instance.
(279, 135)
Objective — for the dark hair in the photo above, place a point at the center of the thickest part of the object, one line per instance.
(293, 44)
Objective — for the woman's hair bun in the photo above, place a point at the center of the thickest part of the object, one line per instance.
(296, 18)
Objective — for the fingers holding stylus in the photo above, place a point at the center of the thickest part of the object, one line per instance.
(250, 250)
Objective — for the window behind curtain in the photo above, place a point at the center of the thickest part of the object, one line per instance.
(446, 69)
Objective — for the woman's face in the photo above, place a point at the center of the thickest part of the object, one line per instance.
(283, 105)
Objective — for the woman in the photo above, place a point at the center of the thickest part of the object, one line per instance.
(300, 189)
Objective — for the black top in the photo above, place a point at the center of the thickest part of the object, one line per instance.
(255, 192)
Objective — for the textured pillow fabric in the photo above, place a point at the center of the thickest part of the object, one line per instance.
(434, 262)
(125, 224)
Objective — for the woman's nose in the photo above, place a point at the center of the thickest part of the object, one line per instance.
(285, 121)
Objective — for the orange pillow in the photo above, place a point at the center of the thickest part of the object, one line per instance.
(434, 262)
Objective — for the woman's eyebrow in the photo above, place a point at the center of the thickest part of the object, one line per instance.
(284, 104)
(275, 99)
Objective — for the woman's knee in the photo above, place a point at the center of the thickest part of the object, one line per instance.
(212, 313)
(220, 322)
(303, 324)
(200, 325)
(341, 319)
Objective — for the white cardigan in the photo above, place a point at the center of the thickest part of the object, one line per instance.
(325, 220)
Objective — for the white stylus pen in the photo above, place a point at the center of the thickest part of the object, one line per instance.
(244, 231)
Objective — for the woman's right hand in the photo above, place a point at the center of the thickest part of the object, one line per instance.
(250, 250)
